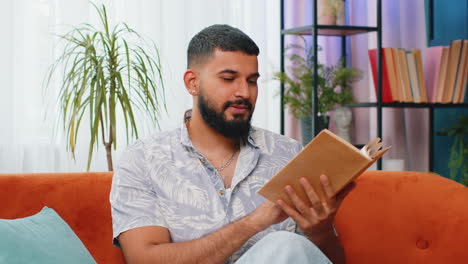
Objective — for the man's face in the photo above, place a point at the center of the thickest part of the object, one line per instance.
(228, 92)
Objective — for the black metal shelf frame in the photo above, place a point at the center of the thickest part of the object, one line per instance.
(329, 30)
(407, 105)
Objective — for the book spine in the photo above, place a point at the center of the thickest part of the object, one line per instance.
(386, 93)
(421, 81)
(390, 72)
(460, 78)
(453, 62)
(442, 75)
(464, 94)
(413, 77)
(398, 74)
(405, 75)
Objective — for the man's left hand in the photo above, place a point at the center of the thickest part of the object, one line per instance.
(315, 221)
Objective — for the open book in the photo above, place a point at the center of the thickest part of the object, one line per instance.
(326, 154)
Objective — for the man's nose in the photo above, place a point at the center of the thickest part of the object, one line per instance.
(243, 89)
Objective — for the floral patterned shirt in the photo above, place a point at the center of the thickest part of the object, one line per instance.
(164, 181)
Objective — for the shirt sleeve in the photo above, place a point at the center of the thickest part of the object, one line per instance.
(298, 148)
(133, 200)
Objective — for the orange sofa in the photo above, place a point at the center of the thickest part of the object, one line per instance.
(81, 199)
(391, 217)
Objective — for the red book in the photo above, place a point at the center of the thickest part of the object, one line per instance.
(386, 88)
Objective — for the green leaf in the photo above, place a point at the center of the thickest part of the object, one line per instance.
(299, 82)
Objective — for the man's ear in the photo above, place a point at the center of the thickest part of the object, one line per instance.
(191, 82)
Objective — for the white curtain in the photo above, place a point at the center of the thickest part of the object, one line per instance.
(31, 140)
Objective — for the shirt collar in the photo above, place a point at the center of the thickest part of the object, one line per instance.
(185, 139)
(184, 136)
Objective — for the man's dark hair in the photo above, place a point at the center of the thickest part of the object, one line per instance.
(223, 37)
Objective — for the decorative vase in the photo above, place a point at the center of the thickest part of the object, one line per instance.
(325, 13)
(340, 13)
(343, 117)
(306, 128)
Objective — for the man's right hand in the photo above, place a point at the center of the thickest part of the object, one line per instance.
(265, 215)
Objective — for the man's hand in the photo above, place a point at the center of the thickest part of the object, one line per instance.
(265, 215)
(316, 221)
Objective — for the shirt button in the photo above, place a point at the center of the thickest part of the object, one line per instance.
(221, 192)
(203, 161)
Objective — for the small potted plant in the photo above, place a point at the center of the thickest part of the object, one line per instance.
(334, 88)
(330, 12)
(342, 78)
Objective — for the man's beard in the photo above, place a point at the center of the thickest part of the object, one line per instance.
(235, 129)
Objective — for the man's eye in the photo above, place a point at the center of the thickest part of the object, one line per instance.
(228, 79)
(253, 82)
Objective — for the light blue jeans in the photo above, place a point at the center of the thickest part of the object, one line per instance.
(283, 247)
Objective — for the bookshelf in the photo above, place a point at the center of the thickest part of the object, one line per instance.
(343, 31)
(329, 30)
(431, 106)
(316, 30)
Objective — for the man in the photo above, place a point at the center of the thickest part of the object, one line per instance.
(189, 195)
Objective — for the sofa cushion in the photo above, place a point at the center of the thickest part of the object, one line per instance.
(41, 238)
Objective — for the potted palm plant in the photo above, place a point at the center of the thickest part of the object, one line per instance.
(108, 74)
(334, 88)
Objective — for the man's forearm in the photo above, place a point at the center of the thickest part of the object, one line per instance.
(213, 248)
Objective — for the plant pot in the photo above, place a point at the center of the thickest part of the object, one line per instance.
(343, 117)
(325, 13)
(306, 128)
(340, 13)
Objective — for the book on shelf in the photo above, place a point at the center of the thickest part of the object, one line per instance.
(413, 76)
(446, 72)
(421, 81)
(327, 154)
(387, 96)
(431, 68)
(442, 75)
(461, 75)
(403, 68)
(464, 83)
(398, 74)
(389, 66)
(451, 71)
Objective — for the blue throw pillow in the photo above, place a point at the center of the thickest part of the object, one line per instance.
(41, 238)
